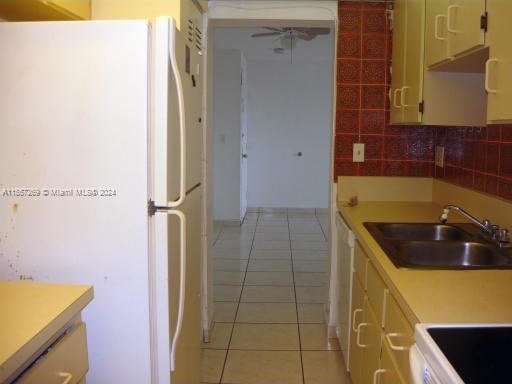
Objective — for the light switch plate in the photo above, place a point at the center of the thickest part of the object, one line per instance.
(439, 161)
(358, 153)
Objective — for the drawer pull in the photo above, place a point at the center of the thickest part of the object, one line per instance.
(67, 377)
(487, 71)
(449, 18)
(394, 347)
(358, 340)
(376, 375)
(356, 311)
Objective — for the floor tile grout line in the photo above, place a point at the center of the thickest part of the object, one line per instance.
(322, 228)
(238, 303)
(296, 305)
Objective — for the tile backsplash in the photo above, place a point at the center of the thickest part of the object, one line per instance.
(479, 158)
(362, 107)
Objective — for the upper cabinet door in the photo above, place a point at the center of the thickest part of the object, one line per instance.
(463, 25)
(436, 35)
(412, 91)
(499, 65)
(398, 61)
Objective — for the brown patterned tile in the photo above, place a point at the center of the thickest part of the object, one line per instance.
(349, 45)
(505, 188)
(506, 133)
(420, 148)
(493, 132)
(374, 21)
(374, 46)
(393, 130)
(349, 16)
(395, 168)
(468, 154)
(439, 172)
(372, 96)
(347, 121)
(479, 181)
(345, 167)
(453, 174)
(453, 152)
(373, 145)
(480, 133)
(372, 121)
(348, 96)
(343, 145)
(395, 148)
(371, 168)
(349, 71)
(506, 160)
(467, 178)
(420, 169)
(480, 155)
(374, 72)
(491, 185)
(493, 158)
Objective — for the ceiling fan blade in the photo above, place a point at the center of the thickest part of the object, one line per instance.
(306, 36)
(314, 31)
(274, 29)
(265, 34)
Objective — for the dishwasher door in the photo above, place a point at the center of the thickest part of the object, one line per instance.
(345, 254)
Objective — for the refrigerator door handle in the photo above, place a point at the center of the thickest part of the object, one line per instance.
(181, 108)
(183, 267)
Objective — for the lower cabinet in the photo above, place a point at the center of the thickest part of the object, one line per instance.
(381, 335)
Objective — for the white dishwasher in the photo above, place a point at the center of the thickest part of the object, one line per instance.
(345, 264)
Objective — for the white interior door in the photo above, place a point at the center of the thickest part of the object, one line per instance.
(243, 142)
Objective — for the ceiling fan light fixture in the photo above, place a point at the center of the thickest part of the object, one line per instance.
(288, 42)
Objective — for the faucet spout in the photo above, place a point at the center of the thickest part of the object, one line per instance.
(485, 225)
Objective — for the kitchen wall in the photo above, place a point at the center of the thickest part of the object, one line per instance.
(479, 158)
(289, 111)
(226, 134)
(362, 107)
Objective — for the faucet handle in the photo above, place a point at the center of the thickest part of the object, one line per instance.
(503, 235)
(494, 231)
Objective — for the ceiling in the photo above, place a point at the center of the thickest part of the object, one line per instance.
(262, 48)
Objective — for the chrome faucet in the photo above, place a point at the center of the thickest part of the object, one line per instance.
(498, 235)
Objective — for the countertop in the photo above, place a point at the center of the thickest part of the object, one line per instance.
(31, 313)
(432, 296)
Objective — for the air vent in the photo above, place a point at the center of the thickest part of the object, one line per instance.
(195, 36)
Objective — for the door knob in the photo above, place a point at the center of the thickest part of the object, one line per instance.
(244, 155)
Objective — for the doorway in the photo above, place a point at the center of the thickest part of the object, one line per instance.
(258, 260)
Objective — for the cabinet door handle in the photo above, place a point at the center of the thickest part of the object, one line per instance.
(402, 96)
(356, 311)
(67, 377)
(376, 375)
(395, 92)
(449, 18)
(358, 338)
(394, 347)
(487, 70)
(436, 27)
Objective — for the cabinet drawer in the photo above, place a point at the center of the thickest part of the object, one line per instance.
(64, 362)
(375, 288)
(360, 264)
(399, 336)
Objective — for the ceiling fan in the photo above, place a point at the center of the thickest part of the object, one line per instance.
(294, 33)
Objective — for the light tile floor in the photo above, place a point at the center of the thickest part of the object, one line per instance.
(270, 286)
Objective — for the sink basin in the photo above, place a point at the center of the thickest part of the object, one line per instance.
(438, 246)
(420, 231)
(452, 254)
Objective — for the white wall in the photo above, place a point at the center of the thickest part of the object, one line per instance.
(289, 111)
(226, 134)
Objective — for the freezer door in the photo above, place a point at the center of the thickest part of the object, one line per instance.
(177, 163)
(74, 176)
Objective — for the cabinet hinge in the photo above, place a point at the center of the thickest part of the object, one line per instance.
(421, 105)
(484, 20)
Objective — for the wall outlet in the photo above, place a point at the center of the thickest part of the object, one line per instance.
(439, 160)
(358, 153)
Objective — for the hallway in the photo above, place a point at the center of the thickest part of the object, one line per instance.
(270, 283)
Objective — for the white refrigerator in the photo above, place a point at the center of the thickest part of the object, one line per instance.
(100, 183)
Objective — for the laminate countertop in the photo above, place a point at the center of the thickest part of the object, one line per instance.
(30, 315)
(431, 296)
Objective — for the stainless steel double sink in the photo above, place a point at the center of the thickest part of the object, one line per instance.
(438, 246)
